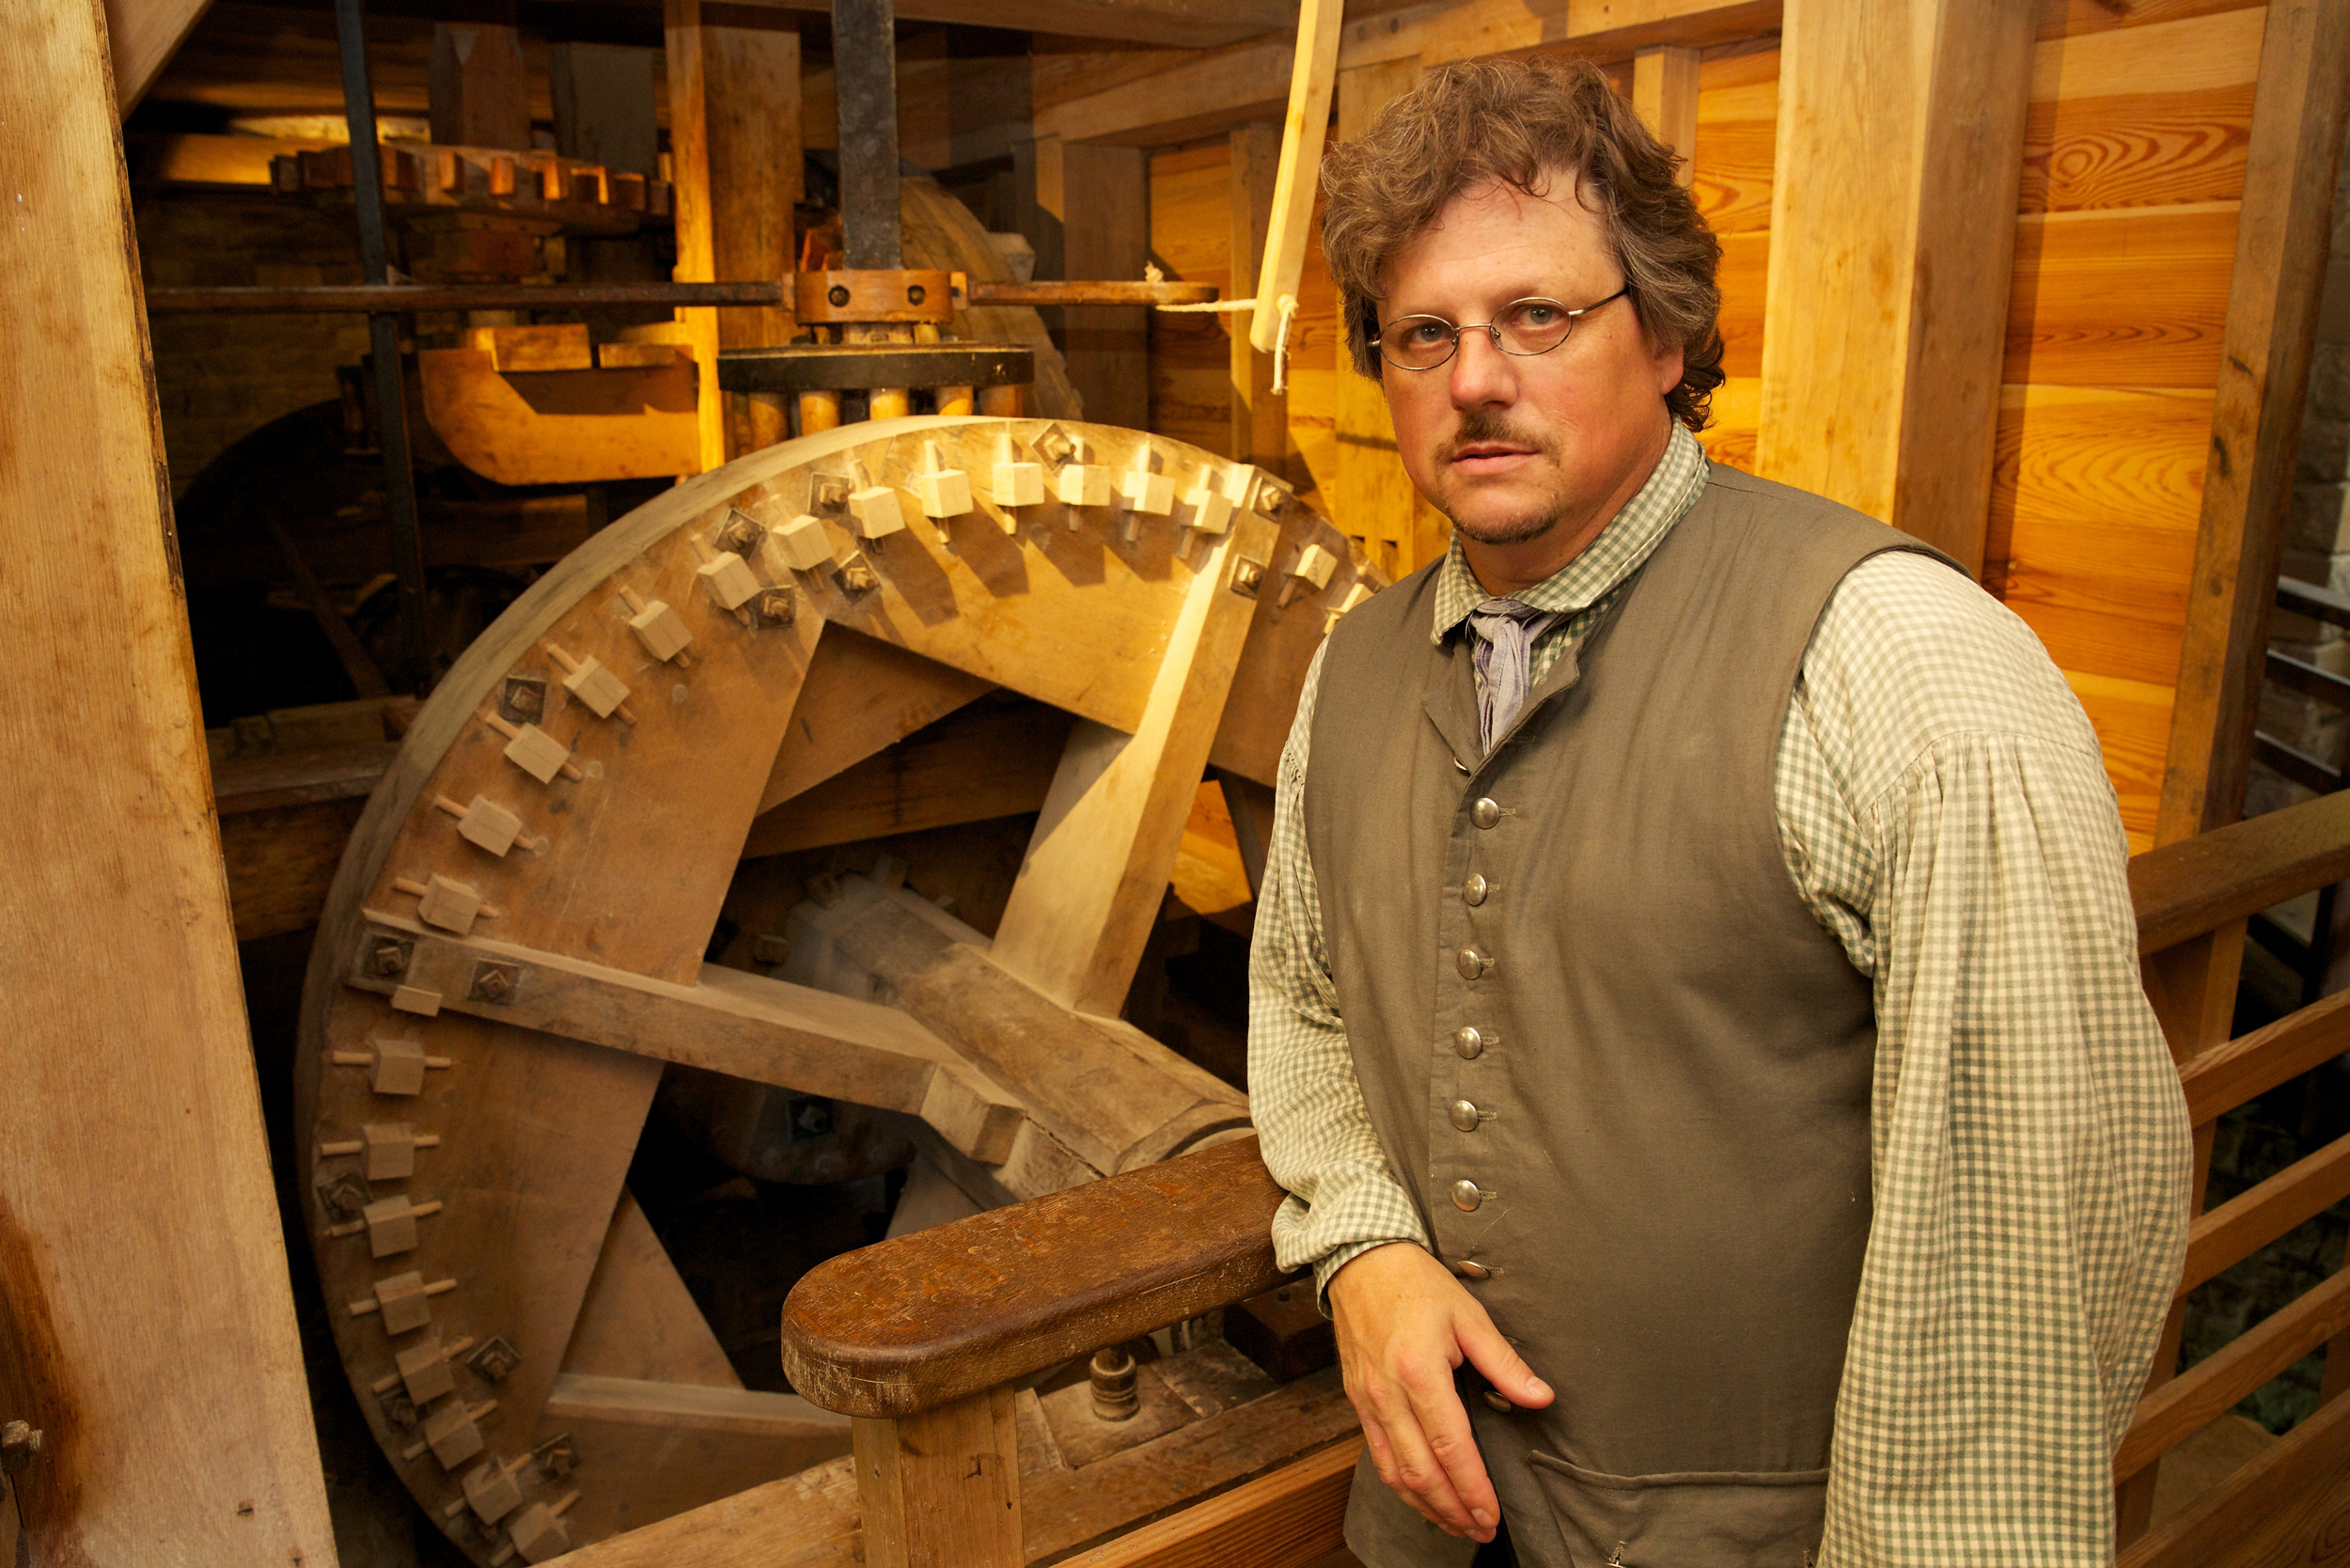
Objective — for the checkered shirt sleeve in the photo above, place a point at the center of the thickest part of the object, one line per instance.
(1945, 813)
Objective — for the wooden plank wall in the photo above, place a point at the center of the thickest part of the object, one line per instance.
(2134, 162)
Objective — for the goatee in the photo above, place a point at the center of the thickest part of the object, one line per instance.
(1476, 428)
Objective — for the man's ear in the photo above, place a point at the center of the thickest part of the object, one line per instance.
(1671, 363)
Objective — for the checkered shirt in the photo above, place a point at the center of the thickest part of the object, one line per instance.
(1944, 811)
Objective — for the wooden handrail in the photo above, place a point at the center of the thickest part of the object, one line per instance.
(2198, 884)
(927, 1319)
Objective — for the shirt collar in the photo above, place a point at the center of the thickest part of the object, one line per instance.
(1628, 540)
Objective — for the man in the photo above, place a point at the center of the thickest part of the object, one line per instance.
(1695, 1006)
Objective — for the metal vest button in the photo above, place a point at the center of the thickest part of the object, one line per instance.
(1466, 1194)
(1467, 1270)
(1464, 1115)
(1473, 962)
(1473, 891)
(1486, 812)
(1467, 1043)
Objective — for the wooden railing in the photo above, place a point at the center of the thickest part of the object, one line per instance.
(921, 1340)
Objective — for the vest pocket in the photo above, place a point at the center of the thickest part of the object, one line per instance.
(1690, 1519)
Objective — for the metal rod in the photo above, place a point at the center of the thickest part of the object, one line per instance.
(463, 297)
(399, 480)
(865, 79)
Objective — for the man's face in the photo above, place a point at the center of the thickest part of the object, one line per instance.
(1526, 450)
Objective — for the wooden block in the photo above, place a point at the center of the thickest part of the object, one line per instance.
(730, 581)
(489, 825)
(597, 687)
(944, 493)
(391, 1226)
(491, 1490)
(450, 904)
(398, 1065)
(1084, 484)
(390, 1149)
(533, 347)
(635, 356)
(1019, 484)
(539, 1532)
(661, 630)
(1151, 494)
(803, 541)
(1314, 565)
(423, 1369)
(417, 999)
(874, 513)
(1207, 510)
(536, 753)
(452, 1436)
(404, 1302)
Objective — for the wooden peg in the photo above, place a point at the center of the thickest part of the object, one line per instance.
(538, 1533)
(1355, 595)
(1143, 489)
(453, 1433)
(874, 510)
(417, 999)
(390, 1148)
(490, 1490)
(533, 750)
(1207, 509)
(484, 823)
(602, 692)
(423, 1367)
(728, 578)
(402, 1299)
(661, 629)
(1017, 483)
(803, 542)
(1081, 483)
(391, 1225)
(1313, 567)
(445, 902)
(944, 491)
(397, 1064)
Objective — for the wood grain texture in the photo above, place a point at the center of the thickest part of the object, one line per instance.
(2282, 1508)
(638, 1320)
(685, 63)
(2280, 265)
(2136, 149)
(562, 427)
(751, 121)
(2218, 1080)
(1294, 1515)
(1313, 78)
(1889, 274)
(146, 1310)
(936, 1316)
(2195, 884)
(2130, 297)
(808, 1520)
(2195, 1399)
(2231, 1233)
(941, 1489)
(1260, 416)
(141, 37)
(861, 695)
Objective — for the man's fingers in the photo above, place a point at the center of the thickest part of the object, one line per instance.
(1382, 1460)
(1492, 1354)
(1444, 1425)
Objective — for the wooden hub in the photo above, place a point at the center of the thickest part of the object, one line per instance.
(513, 946)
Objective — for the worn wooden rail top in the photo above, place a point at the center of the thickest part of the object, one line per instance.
(2199, 883)
(914, 1323)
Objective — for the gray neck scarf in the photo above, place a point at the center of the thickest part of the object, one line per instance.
(1505, 631)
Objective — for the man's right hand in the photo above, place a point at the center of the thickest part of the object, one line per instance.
(1404, 1325)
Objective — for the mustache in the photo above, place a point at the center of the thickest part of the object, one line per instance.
(1481, 426)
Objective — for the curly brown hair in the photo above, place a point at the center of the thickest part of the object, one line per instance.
(1520, 122)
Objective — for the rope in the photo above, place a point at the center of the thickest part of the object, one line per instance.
(1288, 306)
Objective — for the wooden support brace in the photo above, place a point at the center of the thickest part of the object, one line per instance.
(942, 1489)
(1312, 77)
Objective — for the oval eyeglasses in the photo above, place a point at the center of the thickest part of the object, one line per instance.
(1523, 327)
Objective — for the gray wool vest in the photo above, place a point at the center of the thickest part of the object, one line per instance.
(1622, 1069)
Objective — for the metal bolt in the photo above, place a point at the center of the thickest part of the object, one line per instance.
(1248, 577)
(774, 605)
(389, 960)
(19, 1442)
(839, 295)
(494, 983)
(914, 293)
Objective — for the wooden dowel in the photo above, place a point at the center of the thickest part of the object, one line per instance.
(819, 411)
(1000, 402)
(953, 399)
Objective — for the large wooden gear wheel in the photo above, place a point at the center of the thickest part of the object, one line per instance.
(513, 946)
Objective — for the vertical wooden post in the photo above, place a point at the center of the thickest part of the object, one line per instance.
(1104, 213)
(752, 117)
(2280, 245)
(1901, 130)
(147, 1322)
(1260, 416)
(480, 92)
(1372, 498)
(942, 1489)
(1313, 76)
(1665, 96)
(687, 59)
(1090, 889)
(2193, 988)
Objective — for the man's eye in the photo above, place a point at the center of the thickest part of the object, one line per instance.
(1425, 334)
(1539, 314)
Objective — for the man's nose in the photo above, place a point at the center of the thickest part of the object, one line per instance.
(1483, 375)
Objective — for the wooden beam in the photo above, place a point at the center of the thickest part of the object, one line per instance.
(2281, 239)
(1892, 244)
(141, 37)
(942, 1489)
(686, 55)
(1090, 889)
(1102, 203)
(1296, 1514)
(147, 1319)
(1313, 76)
(1176, 23)
(861, 695)
(1261, 431)
(1665, 95)
(752, 117)
(745, 1025)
